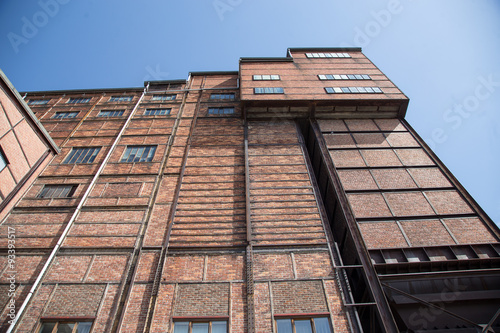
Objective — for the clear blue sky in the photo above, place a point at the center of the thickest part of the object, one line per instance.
(442, 54)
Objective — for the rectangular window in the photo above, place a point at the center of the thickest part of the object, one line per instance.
(353, 90)
(38, 101)
(266, 77)
(57, 191)
(138, 154)
(269, 90)
(344, 77)
(3, 160)
(223, 96)
(220, 110)
(66, 327)
(200, 326)
(82, 155)
(64, 115)
(163, 97)
(157, 112)
(304, 325)
(78, 100)
(111, 113)
(121, 98)
(328, 55)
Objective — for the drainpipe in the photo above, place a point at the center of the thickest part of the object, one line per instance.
(73, 218)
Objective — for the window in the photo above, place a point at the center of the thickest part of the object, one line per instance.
(121, 98)
(157, 112)
(270, 90)
(328, 55)
(111, 113)
(344, 77)
(66, 327)
(38, 101)
(304, 325)
(163, 97)
(57, 191)
(138, 154)
(78, 100)
(82, 155)
(222, 96)
(220, 110)
(64, 115)
(200, 326)
(3, 160)
(266, 77)
(354, 90)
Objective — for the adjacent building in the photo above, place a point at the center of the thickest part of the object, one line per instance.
(288, 196)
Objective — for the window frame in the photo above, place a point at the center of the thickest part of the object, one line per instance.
(77, 321)
(323, 55)
(268, 90)
(353, 90)
(167, 111)
(230, 96)
(112, 115)
(220, 110)
(38, 101)
(78, 100)
(309, 317)
(263, 77)
(121, 99)
(200, 321)
(329, 77)
(167, 97)
(48, 187)
(125, 157)
(66, 114)
(73, 152)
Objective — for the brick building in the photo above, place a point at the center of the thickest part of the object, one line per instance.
(288, 196)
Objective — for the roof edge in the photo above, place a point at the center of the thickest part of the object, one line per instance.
(328, 49)
(214, 73)
(31, 116)
(164, 82)
(266, 59)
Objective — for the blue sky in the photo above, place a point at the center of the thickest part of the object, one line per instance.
(442, 54)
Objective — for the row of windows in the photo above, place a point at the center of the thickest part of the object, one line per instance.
(111, 99)
(353, 90)
(328, 55)
(266, 77)
(269, 90)
(112, 113)
(306, 325)
(132, 154)
(344, 77)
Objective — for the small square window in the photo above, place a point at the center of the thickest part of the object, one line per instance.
(111, 113)
(164, 97)
(121, 98)
(38, 101)
(157, 112)
(138, 154)
(64, 115)
(78, 100)
(57, 191)
(82, 155)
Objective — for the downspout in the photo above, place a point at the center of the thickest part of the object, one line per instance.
(73, 218)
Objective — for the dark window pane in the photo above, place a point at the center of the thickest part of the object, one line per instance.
(199, 328)
(219, 327)
(65, 327)
(303, 326)
(84, 327)
(47, 328)
(284, 325)
(322, 325)
(181, 327)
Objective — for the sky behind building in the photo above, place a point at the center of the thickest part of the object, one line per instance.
(442, 54)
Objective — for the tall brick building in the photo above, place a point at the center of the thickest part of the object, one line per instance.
(288, 196)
